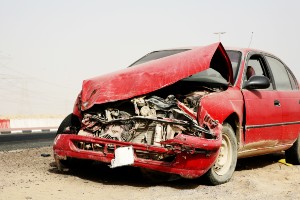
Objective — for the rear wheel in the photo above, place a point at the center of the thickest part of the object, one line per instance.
(222, 170)
(292, 155)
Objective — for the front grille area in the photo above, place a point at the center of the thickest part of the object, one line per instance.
(108, 148)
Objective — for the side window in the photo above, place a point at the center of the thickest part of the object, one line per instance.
(281, 77)
(293, 80)
(256, 66)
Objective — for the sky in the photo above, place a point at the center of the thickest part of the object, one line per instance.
(48, 47)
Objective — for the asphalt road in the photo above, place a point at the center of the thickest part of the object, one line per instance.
(15, 141)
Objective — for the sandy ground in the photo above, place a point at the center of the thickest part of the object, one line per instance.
(25, 174)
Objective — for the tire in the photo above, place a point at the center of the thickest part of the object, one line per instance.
(292, 155)
(70, 125)
(221, 172)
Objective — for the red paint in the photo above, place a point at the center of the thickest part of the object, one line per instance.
(4, 123)
(150, 76)
(186, 163)
(246, 110)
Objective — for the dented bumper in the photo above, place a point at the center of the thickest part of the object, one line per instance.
(185, 155)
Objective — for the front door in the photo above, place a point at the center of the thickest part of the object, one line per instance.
(263, 113)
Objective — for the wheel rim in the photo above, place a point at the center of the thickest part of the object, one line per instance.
(224, 159)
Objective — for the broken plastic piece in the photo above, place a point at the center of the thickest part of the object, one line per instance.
(45, 155)
(282, 161)
(123, 156)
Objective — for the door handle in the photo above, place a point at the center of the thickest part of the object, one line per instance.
(276, 103)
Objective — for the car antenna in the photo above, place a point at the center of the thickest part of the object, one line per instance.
(250, 39)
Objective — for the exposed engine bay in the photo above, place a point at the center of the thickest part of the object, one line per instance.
(148, 119)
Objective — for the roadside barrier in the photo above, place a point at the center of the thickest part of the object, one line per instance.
(4, 124)
(8, 126)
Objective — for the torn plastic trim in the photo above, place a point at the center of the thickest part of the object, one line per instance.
(184, 143)
(196, 143)
(185, 160)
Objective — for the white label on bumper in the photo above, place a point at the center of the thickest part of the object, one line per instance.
(123, 156)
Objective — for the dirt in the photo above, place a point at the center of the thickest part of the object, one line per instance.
(26, 174)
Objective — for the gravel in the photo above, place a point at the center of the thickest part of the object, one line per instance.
(27, 174)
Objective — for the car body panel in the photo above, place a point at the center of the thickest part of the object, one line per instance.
(290, 105)
(221, 105)
(258, 121)
(260, 126)
(151, 76)
(188, 163)
(269, 127)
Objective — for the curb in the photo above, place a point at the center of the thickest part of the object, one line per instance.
(29, 125)
(40, 130)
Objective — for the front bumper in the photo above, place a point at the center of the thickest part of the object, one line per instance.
(187, 156)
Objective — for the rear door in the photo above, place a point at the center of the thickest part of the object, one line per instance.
(288, 97)
(263, 113)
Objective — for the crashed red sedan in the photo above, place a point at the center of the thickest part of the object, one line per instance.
(189, 112)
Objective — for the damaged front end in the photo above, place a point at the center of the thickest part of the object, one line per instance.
(164, 134)
(162, 128)
(149, 121)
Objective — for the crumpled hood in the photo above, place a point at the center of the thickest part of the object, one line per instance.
(153, 75)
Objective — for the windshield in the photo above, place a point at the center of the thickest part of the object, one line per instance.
(204, 76)
(156, 55)
(235, 58)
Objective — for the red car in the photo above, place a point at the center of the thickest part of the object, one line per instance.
(189, 112)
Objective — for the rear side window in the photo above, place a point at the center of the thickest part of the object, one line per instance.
(280, 74)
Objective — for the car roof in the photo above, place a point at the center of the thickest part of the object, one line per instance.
(241, 49)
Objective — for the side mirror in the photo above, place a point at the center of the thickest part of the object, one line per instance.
(257, 82)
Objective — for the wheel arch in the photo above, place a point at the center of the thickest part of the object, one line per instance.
(234, 121)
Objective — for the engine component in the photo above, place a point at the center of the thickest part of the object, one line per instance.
(156, 120)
